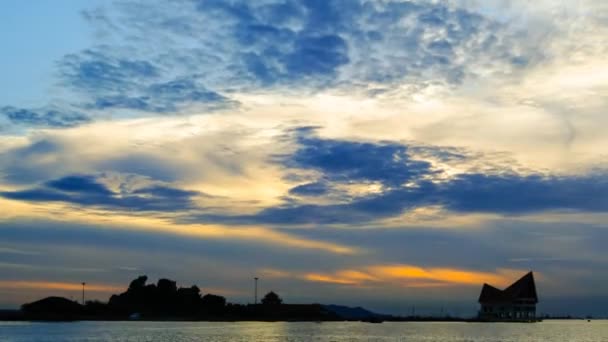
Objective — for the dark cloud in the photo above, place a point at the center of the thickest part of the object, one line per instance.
(409, 183)
(32, 163)
(350, 161)
(316, 55)
(87, 190)
(114, 82)
(403, 176)
(79, 184)
(310, 189)
(508, 195)
(49, 157)
(244, 45)
(49, 117)
(358, 210)
(95, 71)
(163, 97)
(520, 194)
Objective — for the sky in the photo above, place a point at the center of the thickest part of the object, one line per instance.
(385, 153)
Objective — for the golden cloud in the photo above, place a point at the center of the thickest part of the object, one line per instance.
(414, 276)
(63, 286)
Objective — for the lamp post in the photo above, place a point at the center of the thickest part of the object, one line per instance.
(255, 290)
(83, 284)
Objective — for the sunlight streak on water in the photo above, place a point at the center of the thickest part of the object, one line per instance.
(552, 331)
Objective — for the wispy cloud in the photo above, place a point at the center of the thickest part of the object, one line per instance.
(44, 117)
(205, 50)
(86, 190)
(17, 251)
(403, 275)
(61, 286)
(407, 183)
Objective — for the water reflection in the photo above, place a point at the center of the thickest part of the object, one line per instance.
(303, 332)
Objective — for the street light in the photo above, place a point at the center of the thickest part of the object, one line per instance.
(83, 284)
(256, 290)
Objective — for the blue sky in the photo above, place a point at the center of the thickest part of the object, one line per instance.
(35, 37)
(377, 153)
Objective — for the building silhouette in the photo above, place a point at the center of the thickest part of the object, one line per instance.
(515, 303)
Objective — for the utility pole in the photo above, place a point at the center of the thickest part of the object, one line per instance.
(83, 284)
(255, 290)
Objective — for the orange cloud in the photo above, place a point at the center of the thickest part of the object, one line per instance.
(49, 285)
(414, 276)
(345, 277)
(274, 273)
(445, 275)
(322, 278)
(357, 275)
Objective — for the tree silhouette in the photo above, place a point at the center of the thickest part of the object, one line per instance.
(272, 298)
(138, 283)
(213, 304)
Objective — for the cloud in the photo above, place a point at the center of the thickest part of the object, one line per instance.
(34, 162)
(353, 161)
(204, 51)
(403, 275)
(46, 117)
(520, 194)
(79, 183)
(409, 183)
(111, 82)
(96, 71)
(418, 105)
(61, 286)
(310, 189)
(326, 181)
(164, 98)
(86, 190)
(16, 251)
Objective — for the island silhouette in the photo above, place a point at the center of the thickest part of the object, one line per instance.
(165, 301)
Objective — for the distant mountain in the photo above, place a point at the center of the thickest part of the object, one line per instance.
(350, 313)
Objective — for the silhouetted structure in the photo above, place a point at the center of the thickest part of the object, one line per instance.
(272, 298)
(515, 303)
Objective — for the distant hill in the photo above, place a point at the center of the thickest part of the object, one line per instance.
(53, 308)
(350, 313)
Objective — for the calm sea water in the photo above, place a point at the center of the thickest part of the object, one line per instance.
(550, 331)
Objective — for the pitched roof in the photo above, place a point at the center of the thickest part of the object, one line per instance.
(491, 294)
(524, 288)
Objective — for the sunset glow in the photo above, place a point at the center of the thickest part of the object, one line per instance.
(391, 152)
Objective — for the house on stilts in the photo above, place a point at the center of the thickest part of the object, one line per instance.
(516, 303)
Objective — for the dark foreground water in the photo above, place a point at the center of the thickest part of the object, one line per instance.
(550, 331)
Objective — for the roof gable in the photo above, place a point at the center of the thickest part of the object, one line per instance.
(524, 288)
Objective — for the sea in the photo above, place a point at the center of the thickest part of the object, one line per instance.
(550, 331)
